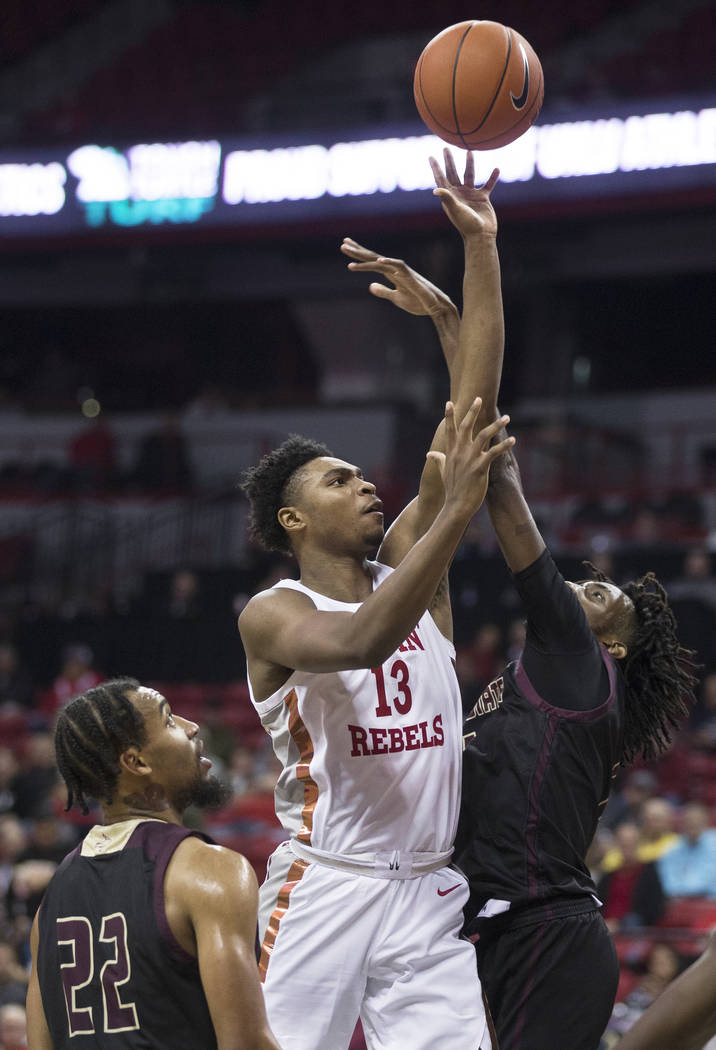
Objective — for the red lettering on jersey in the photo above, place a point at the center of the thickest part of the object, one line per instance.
(412, 743)
(411, 643)
(378, 738)
(425, 740)
(396, 740)
(359, 740)
(391, 741)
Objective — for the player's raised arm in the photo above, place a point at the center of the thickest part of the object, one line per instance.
(473, 349)
(478, 362)
(216, 890)
(38, 1034)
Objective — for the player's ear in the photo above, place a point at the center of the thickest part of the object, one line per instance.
(616, 649)
(131, 761)
(291, 519)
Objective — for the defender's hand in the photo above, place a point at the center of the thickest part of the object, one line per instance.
(412, 292)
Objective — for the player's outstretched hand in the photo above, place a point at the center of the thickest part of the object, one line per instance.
(412, 292)
(465, 463)
(466, 205)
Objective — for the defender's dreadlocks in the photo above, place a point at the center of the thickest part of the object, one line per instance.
(92, 732)
(270, 485)
(658, 671)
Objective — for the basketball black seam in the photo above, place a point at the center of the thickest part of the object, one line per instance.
(454, 77)
(497, 92)
(438, 123)
(524, 115)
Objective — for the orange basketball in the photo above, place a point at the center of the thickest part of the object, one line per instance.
(478, 85)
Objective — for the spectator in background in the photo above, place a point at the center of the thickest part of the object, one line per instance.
(481, 660)
(703, 735)
(13, 1027)
(48, 839)
(693, 599)
(8, 769)
(92, 456)
(516, 636)
(632, 893)
(661, 966)
(184, 599)
(163, 461)
(627, 803)
(13, 976)
(33, 783)
(16, 688)
(657, 829)
(76, 675)
(656, 834)
(688, 869)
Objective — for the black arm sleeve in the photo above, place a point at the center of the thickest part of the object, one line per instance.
(562, 657)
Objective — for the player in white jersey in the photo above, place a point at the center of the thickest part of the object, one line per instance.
(351, 672)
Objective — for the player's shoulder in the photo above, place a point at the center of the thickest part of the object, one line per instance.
(269, 607)
(202, 867)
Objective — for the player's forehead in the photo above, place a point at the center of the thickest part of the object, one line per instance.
(150, 702)
(328, 466)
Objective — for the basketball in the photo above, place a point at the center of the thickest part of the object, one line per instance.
(478, 85)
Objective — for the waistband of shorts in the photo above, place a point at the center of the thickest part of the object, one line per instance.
(391, 864)
(533, 913)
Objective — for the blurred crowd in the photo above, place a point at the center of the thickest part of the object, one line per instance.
(653, 859)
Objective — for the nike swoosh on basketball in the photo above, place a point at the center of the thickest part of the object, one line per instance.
(519, 102)
(444, 893)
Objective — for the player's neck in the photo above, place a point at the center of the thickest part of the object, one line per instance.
(345, 578)
(147, 804)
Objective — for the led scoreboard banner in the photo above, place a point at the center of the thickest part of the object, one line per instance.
(233, 183)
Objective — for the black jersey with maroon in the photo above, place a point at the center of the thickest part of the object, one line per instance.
(541, 747)
(111, 973)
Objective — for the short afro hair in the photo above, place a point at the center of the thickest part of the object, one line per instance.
(268, 487)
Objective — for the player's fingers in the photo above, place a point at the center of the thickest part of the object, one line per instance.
(450, 169)
(381, 291)
(488, 433)
(492, 181)
(437, 172)
(357, 251)
(497, 450)
(468, 420)
(469, 179)
(450, 430)
(438, 458)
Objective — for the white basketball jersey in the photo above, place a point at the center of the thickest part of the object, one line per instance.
(371, 759)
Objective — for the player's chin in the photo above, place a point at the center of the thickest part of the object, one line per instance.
(375, 536)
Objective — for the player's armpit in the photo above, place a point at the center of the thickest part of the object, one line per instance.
(217, 889)
(38, 1034)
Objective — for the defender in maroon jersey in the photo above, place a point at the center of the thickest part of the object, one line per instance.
(145, 936)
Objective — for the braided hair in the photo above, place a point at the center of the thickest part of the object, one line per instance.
(270, 485)
(659, 672)
(92, 732)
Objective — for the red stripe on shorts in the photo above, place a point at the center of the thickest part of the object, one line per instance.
(295, 874)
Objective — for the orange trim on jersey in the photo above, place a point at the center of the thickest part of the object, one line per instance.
(295, 874)
(303, 742)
